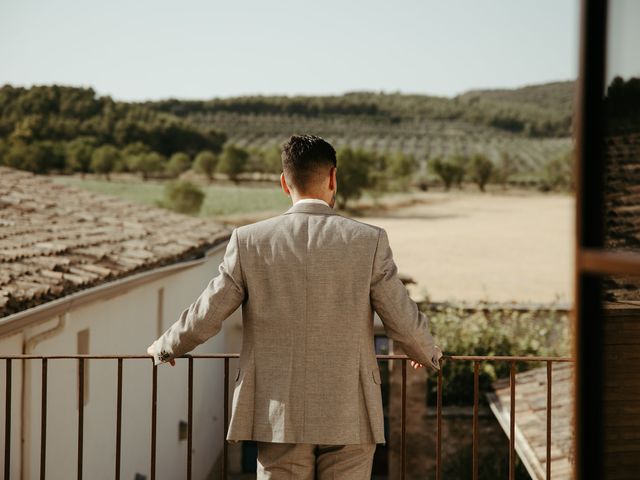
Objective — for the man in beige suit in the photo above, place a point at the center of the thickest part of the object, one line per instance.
(307, 389)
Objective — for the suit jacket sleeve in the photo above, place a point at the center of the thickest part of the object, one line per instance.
(203, 318)
(403, 321)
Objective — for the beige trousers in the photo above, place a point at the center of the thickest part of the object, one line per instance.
(306, 461)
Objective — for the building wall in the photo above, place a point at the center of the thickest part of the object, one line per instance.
(621, 395)
(126, 322)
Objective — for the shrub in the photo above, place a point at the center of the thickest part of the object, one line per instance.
(148, 164)
(104, 159)
(178, 163)
(492, 332)
(232, 161)
(480, 170)
(78, 154)
(353, 174)
(183, 197)
(205, 163)
(557, 173)
(273, 159)
(400, 169)
(449, 170)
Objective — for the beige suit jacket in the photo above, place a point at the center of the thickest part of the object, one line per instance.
(308, 281)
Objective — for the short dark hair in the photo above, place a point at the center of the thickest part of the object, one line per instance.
(304, 158)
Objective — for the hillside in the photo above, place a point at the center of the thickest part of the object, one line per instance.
(532, 123)
(555, 97)
(45, 128)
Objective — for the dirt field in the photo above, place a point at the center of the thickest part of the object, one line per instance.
(495, 246)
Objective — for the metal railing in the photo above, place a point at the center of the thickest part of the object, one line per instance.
(226, 356)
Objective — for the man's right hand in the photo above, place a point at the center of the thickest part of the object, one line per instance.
(415, 364)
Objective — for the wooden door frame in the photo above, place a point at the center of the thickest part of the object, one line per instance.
(592, 261)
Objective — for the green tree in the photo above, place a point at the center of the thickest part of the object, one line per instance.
(23, 156)
(462, 164)
(183, 196)
(480, 170)
(232, 161)
(149, 163)
(379, 179)
(400, 169)
(205, 163)
(557, 173)
(78, 154)
(506, 167)
(273, 159)
(132, 155)
(178, 163)
(4, 148)
(352, 174)
(104, 159)
(53, 153)
(447, 169)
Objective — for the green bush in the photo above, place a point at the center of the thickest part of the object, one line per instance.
(148, 164)
(104, 159)
(205, 163)
(492, 332)
(183, 197)
(178, 163)
(78, 154)
(353, 174)
(400, 169)
(557, 173)
(480, 170)
(449, 170)
(232, 161)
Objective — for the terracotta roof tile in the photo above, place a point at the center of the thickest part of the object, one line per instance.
(56, 239)
(531, 411)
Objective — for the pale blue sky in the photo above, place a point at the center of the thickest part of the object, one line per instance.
(142, 49)
(623, 39)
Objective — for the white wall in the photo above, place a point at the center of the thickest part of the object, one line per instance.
(125, 323)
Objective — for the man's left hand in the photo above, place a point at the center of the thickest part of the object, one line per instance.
(150, 352)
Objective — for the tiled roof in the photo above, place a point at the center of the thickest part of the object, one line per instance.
(56, 239)
(531, 418)
(622, 209)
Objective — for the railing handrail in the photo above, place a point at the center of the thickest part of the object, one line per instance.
(480, 358)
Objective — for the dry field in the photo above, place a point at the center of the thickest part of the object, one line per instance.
(467, 246)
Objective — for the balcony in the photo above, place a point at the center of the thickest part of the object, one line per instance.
(222, 471)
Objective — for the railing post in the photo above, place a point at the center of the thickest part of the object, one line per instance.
(226, 419)
(512, 421)
(403, 419)
(119, 419)
(549, 365)
(190, 419)
(439, 425)
(80, 413)
(154, 396)
(7, 420)
(476, 366)
(43, 421)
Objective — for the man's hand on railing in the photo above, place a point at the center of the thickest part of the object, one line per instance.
(415, 364)
(151, 352)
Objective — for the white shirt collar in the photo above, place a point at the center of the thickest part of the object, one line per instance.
(312, 200)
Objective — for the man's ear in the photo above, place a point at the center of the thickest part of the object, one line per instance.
(283, 183)
(333, 178)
